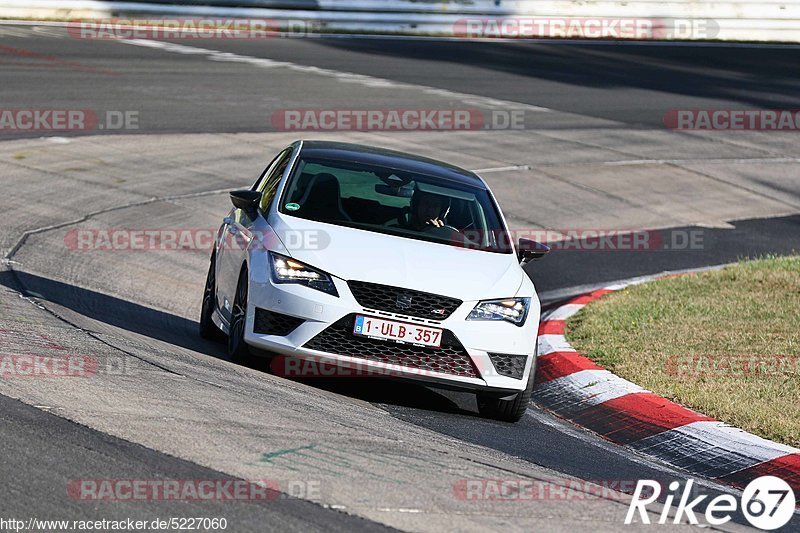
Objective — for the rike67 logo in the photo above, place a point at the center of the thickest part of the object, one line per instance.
(767, 502)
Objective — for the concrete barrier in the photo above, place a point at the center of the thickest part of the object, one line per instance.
(729, 20)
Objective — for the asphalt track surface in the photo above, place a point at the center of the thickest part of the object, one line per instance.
(46, 475)
(633, 85)
(624, 87)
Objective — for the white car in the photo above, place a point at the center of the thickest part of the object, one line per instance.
(373, 259)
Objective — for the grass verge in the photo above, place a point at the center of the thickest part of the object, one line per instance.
(725, 343)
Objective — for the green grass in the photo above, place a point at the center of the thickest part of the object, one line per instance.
(725, 343)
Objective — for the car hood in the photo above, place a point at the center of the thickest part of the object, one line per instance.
(354, 254)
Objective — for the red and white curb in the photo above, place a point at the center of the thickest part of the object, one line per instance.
(576, 389)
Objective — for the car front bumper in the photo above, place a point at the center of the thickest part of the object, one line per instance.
(320, 311)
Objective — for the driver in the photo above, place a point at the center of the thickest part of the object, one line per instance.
(427, 210)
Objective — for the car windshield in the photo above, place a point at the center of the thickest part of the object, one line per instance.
(395, 202)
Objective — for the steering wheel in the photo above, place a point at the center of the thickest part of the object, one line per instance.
(447, 232)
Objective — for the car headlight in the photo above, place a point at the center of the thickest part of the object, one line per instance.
(287, 270)
(513, 310)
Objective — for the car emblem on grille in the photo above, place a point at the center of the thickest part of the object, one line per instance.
(437, 311)
(403, 301)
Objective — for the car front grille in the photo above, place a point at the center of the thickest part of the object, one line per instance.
(450, 358)
(272, 323)
(509, 365)
(403, 301)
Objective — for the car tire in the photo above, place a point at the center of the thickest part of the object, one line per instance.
(238, 350)
(209, 330)
(508, 410)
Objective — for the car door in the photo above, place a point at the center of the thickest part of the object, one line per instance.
(236, 235)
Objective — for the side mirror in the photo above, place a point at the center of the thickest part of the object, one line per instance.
(246, 199)
(529, 250)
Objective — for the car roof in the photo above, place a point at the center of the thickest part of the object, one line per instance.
(373, 155)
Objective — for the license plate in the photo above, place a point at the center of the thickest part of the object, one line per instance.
(379, 328)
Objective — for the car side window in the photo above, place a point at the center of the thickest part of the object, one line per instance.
(269, 184)
(260, 181)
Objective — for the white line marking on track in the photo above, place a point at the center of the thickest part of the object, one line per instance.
(500, 41)
(344, 77)
(565, 311)
(590, 438)
(15, 32)
(738, 160)
(726, 436)
(553, 343)
(502, 169)
(711, 448)
(592, 386)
